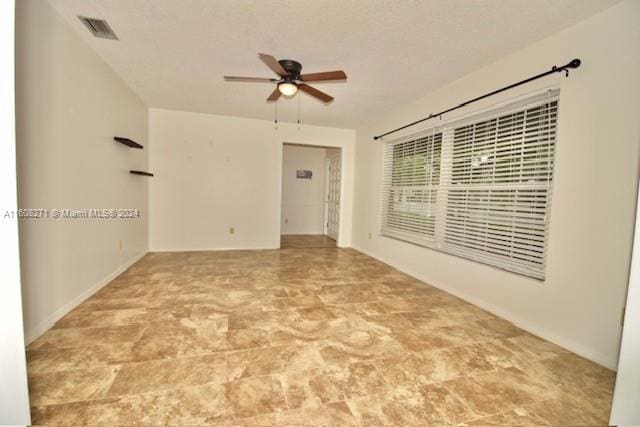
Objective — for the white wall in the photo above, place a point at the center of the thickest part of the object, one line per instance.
(579, 306)
(14, 395)
(70, 105)
(303, 199)
(217, 172)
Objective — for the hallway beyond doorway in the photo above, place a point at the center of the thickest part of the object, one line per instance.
(306, 241)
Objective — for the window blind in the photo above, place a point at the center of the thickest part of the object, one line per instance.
(478, 188)
(410, 189)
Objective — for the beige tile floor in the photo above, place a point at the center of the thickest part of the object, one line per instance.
(298, 337)
(306, 241)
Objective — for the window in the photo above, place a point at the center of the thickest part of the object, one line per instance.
(412, 177)
(478, 188)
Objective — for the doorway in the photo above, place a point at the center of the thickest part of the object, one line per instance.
(311, 184)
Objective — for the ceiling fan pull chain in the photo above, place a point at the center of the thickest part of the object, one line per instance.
(276, 115)
(299, 111)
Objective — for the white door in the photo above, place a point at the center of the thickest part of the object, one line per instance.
(332, 200)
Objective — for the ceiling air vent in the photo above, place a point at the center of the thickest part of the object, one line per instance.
(98, 27)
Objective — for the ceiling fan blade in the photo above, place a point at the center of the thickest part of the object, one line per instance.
(274, 95)
(272, 63)
(329, 75)
(315, 92)
(249, 79)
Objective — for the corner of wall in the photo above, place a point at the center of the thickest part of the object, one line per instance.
(46, 323)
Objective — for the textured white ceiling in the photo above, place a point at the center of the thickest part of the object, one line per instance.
(173, 53)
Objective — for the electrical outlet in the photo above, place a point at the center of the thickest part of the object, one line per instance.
(286, 220)
(120, 244)
(232, 230)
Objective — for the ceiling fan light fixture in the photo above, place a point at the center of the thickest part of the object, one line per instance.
(287, 88)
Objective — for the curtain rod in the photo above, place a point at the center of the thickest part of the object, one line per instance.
(574, 63)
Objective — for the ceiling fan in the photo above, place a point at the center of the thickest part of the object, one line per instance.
(291, 80)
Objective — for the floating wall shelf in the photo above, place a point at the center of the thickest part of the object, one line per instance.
(132, 144)
(141, 173)
(128, 142)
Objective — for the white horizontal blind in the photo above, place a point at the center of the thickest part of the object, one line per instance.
(410, 188)
(494, 189)
(497, 208)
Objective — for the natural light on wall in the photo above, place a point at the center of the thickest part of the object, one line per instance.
(479, 187)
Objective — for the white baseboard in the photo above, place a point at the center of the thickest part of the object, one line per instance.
(527, 325)
(50, 320)
(213, 249)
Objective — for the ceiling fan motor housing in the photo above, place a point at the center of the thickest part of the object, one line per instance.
(293, 68)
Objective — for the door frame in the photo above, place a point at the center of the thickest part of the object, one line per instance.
(343, 240)
(325, 225)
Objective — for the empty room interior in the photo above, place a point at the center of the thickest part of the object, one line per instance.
(332, 213)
